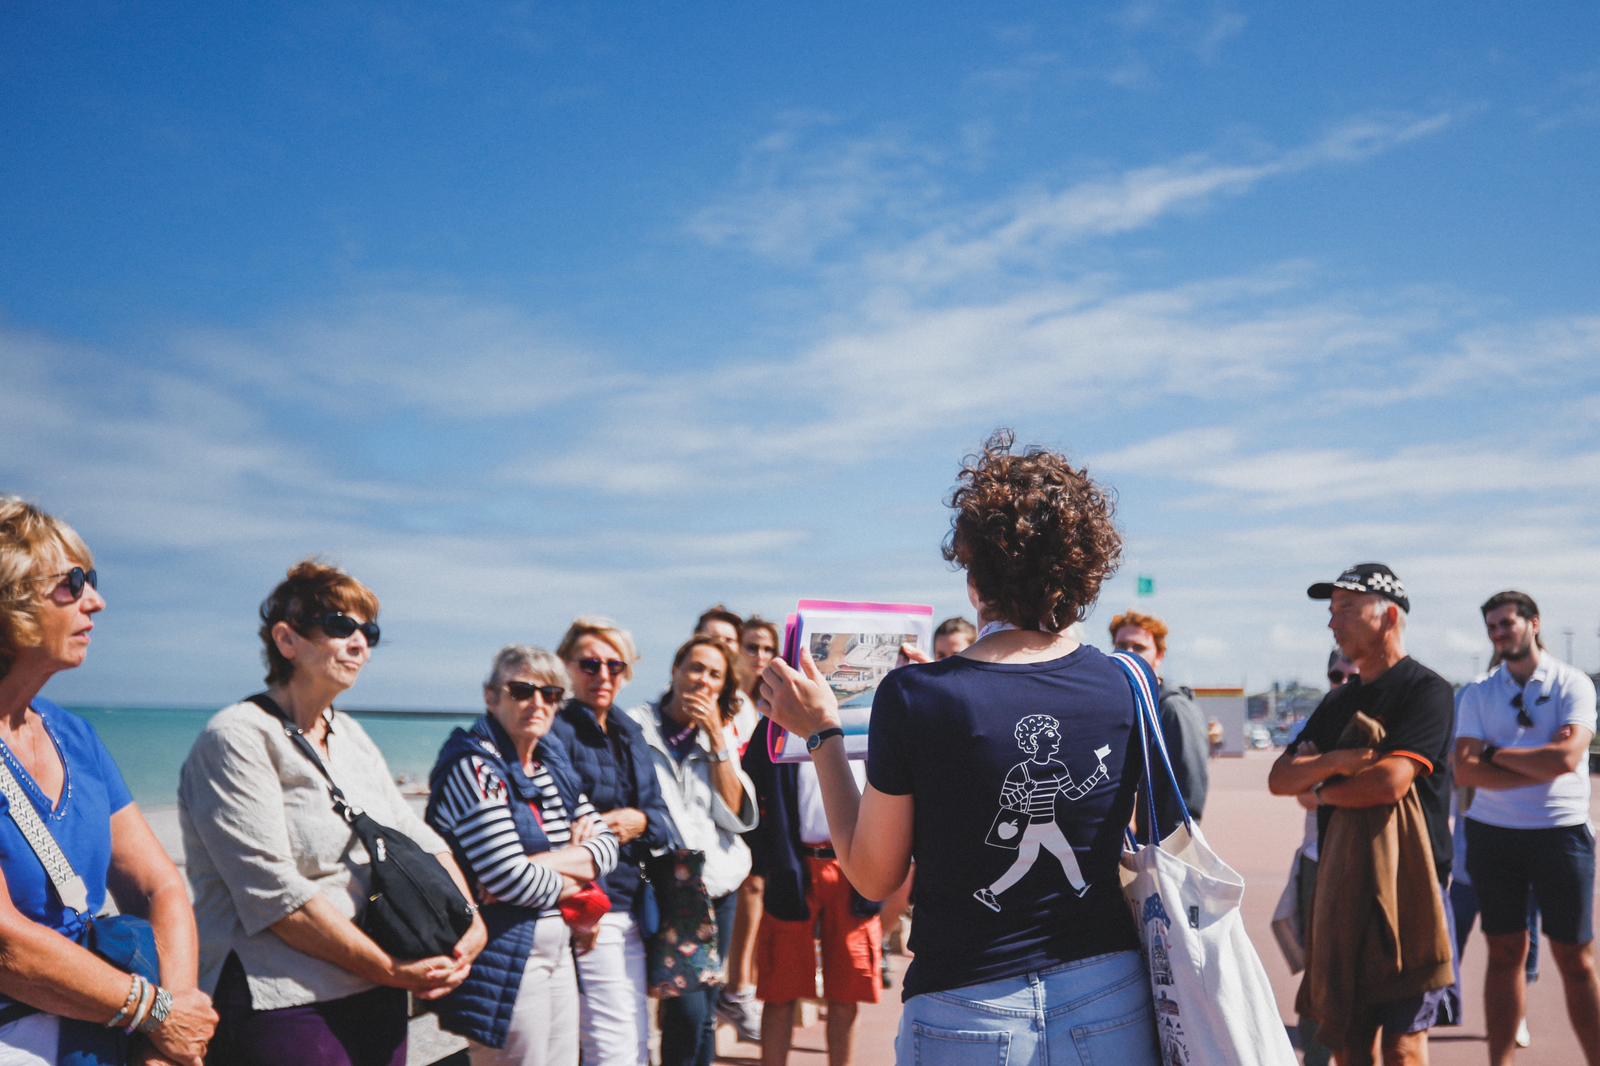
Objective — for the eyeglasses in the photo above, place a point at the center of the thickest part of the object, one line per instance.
(592, 667)
(339, 625)
(74, 581)
(526, 690)
(1524, 719)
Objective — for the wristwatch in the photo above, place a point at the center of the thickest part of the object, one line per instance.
(1488, 753)
(159, 1009)
(815, 740)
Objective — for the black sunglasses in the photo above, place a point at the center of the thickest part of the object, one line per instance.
(614, 667)
(76, 578)
(339, 625)
(526, 690)
(1524, 719)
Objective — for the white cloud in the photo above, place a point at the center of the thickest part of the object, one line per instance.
(793, 198)
(430, 352)
(1032, 226)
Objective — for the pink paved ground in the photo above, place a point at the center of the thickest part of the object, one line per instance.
(1257, 833)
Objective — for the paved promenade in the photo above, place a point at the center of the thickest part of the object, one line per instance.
(1257, 833)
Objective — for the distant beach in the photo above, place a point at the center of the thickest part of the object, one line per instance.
(150, 743)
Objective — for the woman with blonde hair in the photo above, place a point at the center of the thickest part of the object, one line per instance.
(612, 762)
(55, 995)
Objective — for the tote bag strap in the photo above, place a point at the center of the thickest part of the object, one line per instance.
(69, 886)
(1150, 736)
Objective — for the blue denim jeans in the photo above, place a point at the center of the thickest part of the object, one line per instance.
(1092, 1011)
(689, 1022)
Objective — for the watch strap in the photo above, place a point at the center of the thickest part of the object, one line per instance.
(815, 740)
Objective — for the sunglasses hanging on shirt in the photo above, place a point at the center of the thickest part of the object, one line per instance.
(1524, 719)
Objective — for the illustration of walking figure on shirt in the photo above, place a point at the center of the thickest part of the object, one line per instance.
(1027, 819)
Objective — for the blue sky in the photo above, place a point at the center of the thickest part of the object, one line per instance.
(519, 311)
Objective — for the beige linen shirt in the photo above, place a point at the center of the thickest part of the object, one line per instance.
(262, 838)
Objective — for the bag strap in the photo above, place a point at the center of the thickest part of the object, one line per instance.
(1150, 736)
(69, 886)
(348, 811)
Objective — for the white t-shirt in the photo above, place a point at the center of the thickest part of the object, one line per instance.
(814, 830)
(745, 720)
(1556, 695)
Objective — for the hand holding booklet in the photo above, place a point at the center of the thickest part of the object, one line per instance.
(854, 645)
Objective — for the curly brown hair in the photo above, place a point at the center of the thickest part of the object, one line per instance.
(1035, 534)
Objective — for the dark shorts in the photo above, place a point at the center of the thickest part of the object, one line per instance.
(1556, 865)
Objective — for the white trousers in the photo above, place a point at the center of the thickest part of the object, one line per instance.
(31, 1041)
(544, 1021)
(615, 1009)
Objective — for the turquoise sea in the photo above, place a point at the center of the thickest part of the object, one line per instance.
(150, 743)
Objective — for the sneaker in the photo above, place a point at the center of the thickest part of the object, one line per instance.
(1524, 1038)
(985, 897)
(740, 1010)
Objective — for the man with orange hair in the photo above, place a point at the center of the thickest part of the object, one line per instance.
(1182, 724)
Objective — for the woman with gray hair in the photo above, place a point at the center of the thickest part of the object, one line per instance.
(506, 798)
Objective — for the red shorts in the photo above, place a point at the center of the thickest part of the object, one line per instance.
(852, 947)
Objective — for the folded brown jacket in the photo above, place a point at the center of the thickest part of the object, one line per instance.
(1378, 930)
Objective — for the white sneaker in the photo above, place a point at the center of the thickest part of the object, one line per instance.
(1524, 1038)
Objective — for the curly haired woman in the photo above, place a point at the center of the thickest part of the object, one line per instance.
(1052, 971)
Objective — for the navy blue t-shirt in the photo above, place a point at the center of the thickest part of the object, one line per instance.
(1023, 777)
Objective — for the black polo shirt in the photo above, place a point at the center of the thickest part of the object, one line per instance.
(1417, 709)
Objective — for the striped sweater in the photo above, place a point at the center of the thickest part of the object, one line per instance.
(474, 805)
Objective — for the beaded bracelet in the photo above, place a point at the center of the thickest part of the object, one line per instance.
(146, 996)
(128, 1004)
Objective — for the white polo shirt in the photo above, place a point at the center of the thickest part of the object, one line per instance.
(1556, 695)
(814, 830)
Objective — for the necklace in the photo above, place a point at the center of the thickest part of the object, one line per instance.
(25, 739)
(676, 740)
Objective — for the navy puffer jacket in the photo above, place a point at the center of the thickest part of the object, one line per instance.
(481, 1007)
(614, 769)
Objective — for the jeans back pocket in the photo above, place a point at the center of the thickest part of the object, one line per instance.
(932, 1046)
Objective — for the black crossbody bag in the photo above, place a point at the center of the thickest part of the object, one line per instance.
(414, 909)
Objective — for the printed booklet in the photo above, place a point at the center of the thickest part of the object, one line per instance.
(854, 645)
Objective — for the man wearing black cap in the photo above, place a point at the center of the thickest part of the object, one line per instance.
(1416, 709)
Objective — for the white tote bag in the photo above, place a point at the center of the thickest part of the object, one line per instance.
(1213, 1002)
